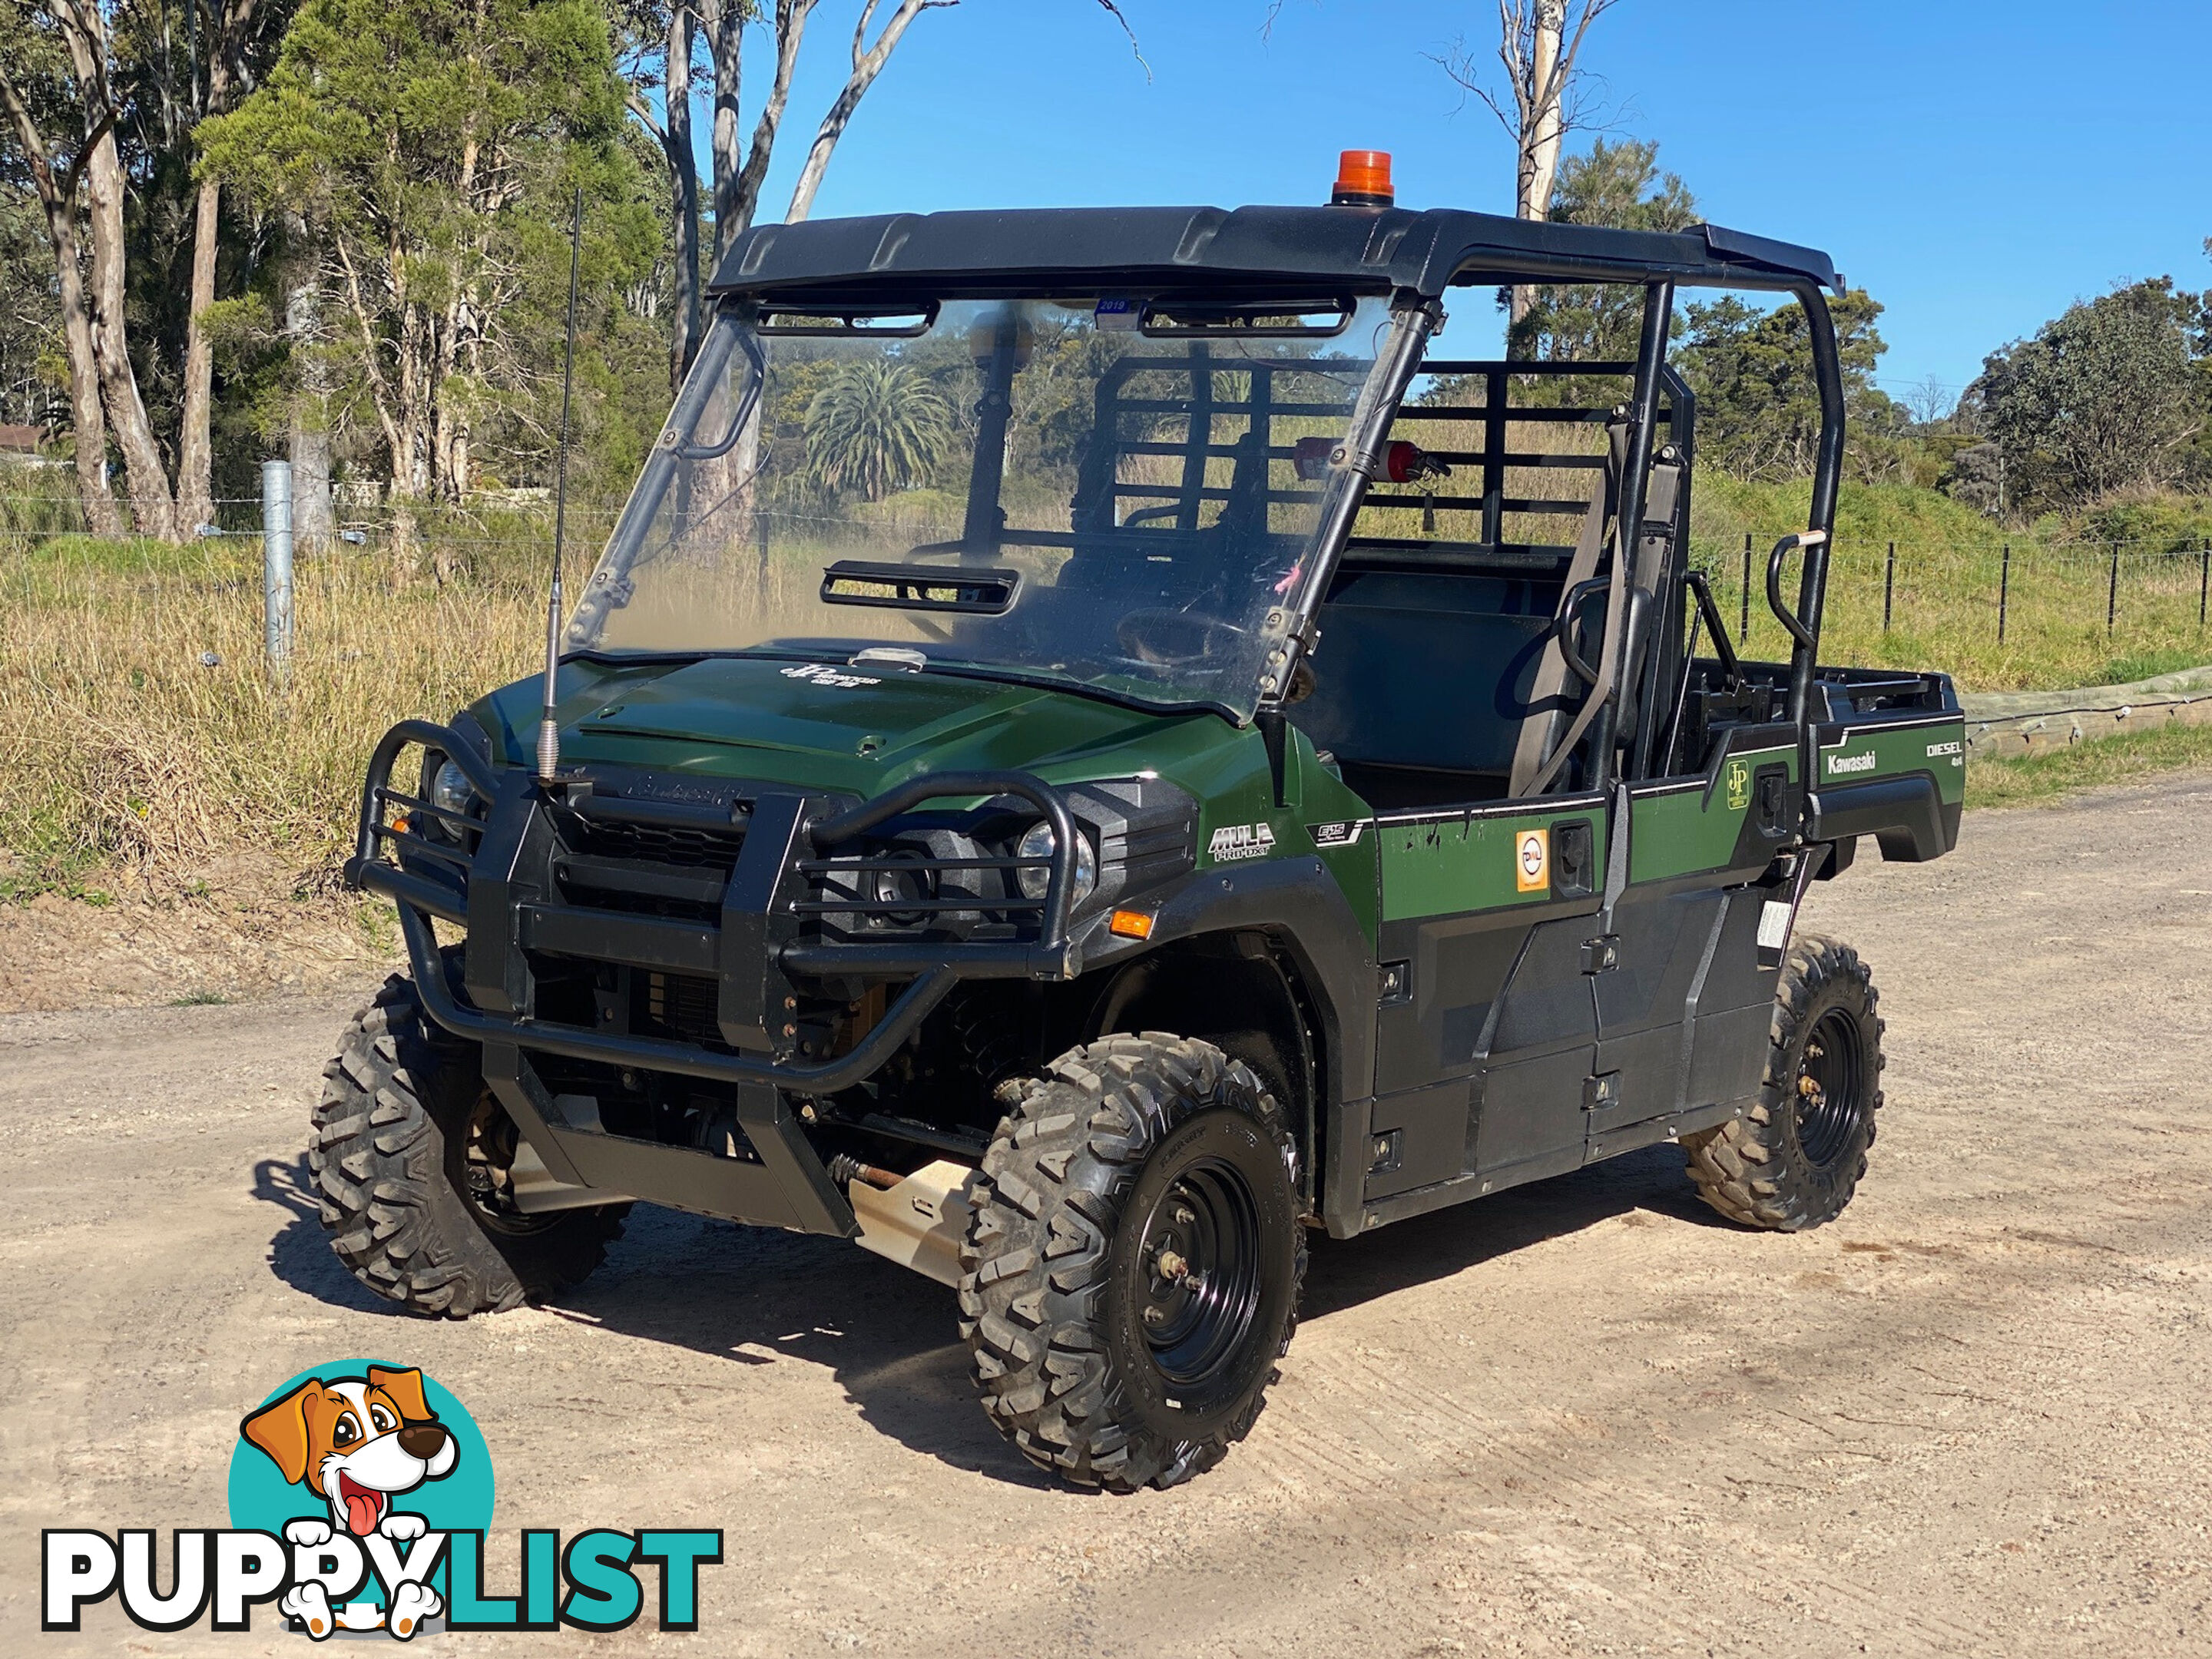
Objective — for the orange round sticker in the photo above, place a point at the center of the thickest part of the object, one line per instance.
(1532, 862)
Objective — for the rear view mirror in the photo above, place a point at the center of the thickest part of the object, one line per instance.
(851, 322)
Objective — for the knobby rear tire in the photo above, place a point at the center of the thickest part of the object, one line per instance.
(1795, 1158)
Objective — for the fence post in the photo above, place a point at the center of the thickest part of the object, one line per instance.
(1743, 623)
(2203, 578)
(2004, 590)
(277, 566)
(760, 531)
(2112, 592)
(1888, 586)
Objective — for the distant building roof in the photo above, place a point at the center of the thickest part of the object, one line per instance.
(20, 440)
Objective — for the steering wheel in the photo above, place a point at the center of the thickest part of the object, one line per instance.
(1170, 639)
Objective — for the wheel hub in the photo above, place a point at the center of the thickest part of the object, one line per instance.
(1202, 1273)
(1828, 1090)
(493, 1140)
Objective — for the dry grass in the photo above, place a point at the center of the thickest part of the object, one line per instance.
(126, 761)
(140, 733)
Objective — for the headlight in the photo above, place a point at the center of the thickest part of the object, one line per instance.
(898, 888)
(451, 789)
(1037, 843)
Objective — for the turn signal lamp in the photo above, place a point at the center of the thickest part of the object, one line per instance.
(1362, 179)
(1131, 924)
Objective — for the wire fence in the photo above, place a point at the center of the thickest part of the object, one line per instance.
(1999, 614)
(2002, 615)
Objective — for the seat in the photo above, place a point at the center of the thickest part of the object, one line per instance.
(1422, 682)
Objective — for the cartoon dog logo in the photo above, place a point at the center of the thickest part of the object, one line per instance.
(357, 1443)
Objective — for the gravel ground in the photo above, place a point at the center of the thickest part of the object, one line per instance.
(1584, 1418)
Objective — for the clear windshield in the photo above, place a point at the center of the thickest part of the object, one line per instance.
(1090, 490)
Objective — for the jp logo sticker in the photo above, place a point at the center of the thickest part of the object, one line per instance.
(1531, 860)
(1738, 784)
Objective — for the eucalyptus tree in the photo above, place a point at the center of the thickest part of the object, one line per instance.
(429, 150)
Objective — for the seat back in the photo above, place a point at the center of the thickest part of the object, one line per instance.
(1427, 670)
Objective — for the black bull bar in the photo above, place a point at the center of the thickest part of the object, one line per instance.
(752, 952)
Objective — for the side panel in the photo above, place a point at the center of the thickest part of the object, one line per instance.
(1903, 781)
(1688, 946)
(1485, 1030)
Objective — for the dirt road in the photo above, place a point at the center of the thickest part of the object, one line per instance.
(1971, 1417)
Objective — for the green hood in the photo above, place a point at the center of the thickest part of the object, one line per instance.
(819, 726)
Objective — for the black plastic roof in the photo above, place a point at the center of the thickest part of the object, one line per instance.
(1361, 249)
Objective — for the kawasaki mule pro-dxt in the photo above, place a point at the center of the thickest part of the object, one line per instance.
(1098, 745)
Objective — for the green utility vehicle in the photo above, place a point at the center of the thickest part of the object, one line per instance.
(1099, 746)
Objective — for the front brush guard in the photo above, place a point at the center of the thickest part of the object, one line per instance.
(749, 954)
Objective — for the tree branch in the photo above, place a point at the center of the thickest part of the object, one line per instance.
(643, 111)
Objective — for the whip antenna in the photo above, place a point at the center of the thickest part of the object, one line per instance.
(548, 728)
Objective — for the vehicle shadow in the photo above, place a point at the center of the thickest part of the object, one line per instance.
(889, 1338)
(757, 1297)
(1344, 1272)
(300, 1255)
(753, 1296)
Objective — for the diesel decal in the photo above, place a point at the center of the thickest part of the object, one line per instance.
(1235, 842)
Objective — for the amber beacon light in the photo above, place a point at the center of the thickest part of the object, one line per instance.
(1362, 179)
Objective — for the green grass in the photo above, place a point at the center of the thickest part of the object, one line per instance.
(2040, 780)
(2149, 665)
(1951, 569)
(200, 1000)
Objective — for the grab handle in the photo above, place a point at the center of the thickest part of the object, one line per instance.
(1805, 635)
(1804, 622)
(1564, 625)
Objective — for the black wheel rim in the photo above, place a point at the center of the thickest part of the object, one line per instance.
(487, 1171)
(1828, 1088)
(1203, 1279)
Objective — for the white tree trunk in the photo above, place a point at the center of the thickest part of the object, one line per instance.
(315, 525)
(683, 178)
(1543, 126)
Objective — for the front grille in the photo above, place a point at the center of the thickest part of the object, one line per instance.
(665, 844)
(681, 1006)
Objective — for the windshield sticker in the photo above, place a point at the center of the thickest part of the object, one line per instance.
(815, 673)
(1336, 834)
(1235, 842)
(1119, 316)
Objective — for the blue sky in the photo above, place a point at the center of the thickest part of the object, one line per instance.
(1975, 165)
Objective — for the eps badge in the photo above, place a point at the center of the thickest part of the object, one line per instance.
(1738, 784)
(1532, 860)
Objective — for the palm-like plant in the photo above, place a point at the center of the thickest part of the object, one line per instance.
(878, 425)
